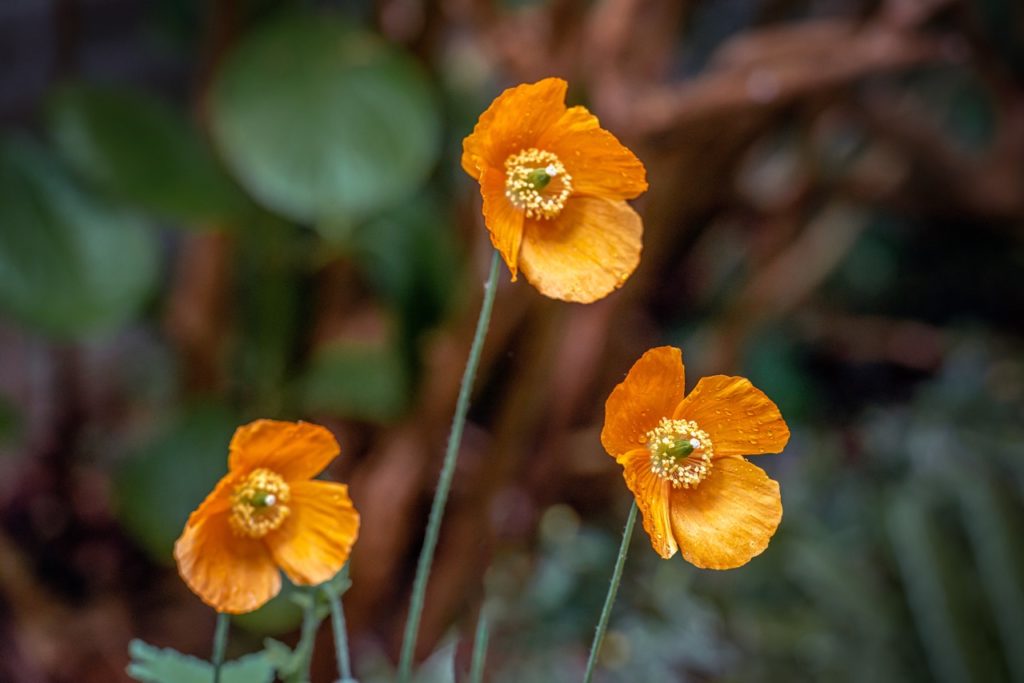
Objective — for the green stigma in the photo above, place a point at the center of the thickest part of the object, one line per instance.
(680, 449)
(263, 499)
(539, 178)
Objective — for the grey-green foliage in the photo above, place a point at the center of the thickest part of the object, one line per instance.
(70, 264)
(156, 665)
(321, 121)
(136, 149)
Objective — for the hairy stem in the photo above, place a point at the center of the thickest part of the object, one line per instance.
(613, 588)
(220, 642)
(444, 482)
(340, 634)
(476, 671)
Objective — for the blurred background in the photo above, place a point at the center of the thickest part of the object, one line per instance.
(212, 211)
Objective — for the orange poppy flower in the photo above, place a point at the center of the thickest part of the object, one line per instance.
(682, 457)
(268, 514)
(554, 185)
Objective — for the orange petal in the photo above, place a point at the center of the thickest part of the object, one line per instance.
(230, 573)
(513, 122)
(599, 164)
(728, 518)
(585, 253)
(737, 416)
(295, 450)
(652, 496)
(654, 386)
(504, 221)
(315, 540)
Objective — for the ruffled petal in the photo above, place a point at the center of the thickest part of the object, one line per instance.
(728, 518)
(230, 573)
(513, 122)
(504, 221)
(599, 164)
(315, 540)
(654, 386)
(652, 497)
(585, 253)
(737, 416)
(294, 450)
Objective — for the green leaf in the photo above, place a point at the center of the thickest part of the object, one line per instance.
(293, 664)
(281, 657)
(157, 489)
(163, 665)
(279, 615)
(141, 151)
(412, 258)
(69, 265)
(360, 381)
(319, 120)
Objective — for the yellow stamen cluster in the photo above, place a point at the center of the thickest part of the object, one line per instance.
(258, 504)
(536, 182)
(681, 452)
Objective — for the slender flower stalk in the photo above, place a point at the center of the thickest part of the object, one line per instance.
(602, 623)
(340, 634)
(220, 642)
(444, 483)
(476, 671)
(307, 637)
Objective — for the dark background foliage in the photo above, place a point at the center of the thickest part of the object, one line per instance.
(217, 210)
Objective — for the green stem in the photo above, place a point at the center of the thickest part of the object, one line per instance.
(476, 671)
(220, 643)
(606, 612)
(444, 482)
(340, 635)
(307, 637)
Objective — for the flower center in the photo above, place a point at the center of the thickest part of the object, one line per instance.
(258, 504)
(537, 182)
(681, 452)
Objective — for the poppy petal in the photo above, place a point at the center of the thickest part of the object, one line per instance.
(294, 450)
(652, 497)
(728, 518)
(504, 221)
(315, 540)
(654, 386)
(599, 164)
(230, 573)
(737, 416)
(513, 122)
(585, 253)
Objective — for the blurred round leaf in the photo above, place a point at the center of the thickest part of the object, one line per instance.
(356, 380)
(68, 264)
(412, 257)
(319, 120)
(279, 615)
(141, 151)
(158, 489)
